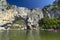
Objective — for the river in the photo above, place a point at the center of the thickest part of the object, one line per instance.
(29, 35)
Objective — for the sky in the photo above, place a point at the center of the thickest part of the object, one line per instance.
(30, 3)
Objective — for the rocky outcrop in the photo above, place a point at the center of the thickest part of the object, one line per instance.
(3, 5)
(31, 17)
(7, 18)
(56, 2)
(52, 11)
(9, 14)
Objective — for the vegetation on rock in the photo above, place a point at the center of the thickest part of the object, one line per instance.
(49, 23)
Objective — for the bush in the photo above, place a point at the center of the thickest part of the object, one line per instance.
(49, 23)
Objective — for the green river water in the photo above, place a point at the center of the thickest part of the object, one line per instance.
(29, 35)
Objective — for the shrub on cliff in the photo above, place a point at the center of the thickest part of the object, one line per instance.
(49, 23)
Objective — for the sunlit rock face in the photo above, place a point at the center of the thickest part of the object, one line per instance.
(3, 4)
(30, 16)
(52, 11)
(7, 17)
(33, 17)
(23, 12)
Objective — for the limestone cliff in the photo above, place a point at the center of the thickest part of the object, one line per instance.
(52, 11)
(8, 16)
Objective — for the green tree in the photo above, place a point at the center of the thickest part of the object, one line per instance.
(49, 23)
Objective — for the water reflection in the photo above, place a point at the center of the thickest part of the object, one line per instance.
(3, 35)
(28, 35)
(32, 35)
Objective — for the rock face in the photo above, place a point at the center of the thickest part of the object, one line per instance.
(3, 4)
(56, 2)
(51, 11)
(33, 17)
(8, 16)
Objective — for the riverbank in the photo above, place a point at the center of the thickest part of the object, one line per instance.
(2, 28)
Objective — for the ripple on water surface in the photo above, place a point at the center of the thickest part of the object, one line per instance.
(29, 35)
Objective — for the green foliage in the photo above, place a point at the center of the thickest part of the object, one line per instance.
(49, 23)
(20, 23)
